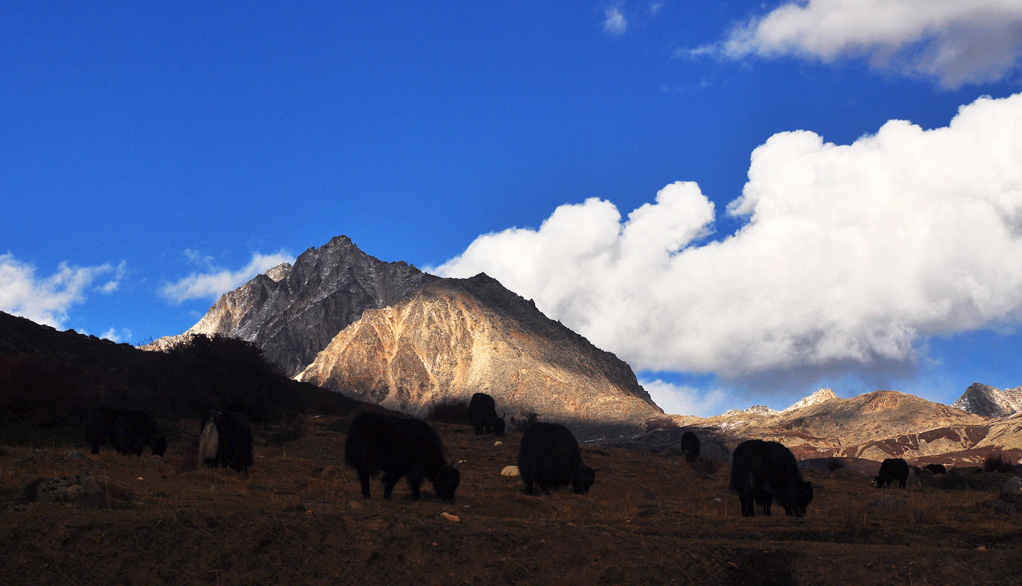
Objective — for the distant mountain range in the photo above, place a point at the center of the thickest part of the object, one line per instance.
(389, 334)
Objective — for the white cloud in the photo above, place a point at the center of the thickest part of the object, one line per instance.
(614, 21)
(955, 41)
(217, 281)
(46, 300)
(117, 336)
(684, 399)
(848, 258)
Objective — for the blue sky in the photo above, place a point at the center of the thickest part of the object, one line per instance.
(713, 191)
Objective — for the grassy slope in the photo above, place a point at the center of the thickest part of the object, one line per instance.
(650, 519)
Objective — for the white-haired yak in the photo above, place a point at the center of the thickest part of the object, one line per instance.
(225, 441)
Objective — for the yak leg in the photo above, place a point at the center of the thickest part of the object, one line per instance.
(748, 504)
(363, 479)
(389, 481)
(415, 481)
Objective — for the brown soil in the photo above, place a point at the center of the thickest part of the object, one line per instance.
(650, 519)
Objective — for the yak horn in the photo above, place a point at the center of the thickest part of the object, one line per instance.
(458, 464)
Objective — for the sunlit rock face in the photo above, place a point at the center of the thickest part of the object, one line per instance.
(456, 337)
(293, 311)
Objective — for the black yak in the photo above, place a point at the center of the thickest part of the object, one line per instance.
(482, 414)
(399, 446)
(690, 446)
(225, 441)
(129, 432)
(936, 468)
(762, 471)
(890, 470)
(549, 456)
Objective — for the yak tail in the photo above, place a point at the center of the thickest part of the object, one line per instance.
(209, 441)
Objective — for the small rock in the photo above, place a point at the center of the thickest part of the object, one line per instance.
(1013, 486)
(74, 455)
(497, 443)
(450, 517)
(77, 489)
(355, 505)
(1000, 507)
(981, 548)
(511, 471)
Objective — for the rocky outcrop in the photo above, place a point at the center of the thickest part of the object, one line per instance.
(293, 311)
(456, 337)
(816, 398)
(988, 401)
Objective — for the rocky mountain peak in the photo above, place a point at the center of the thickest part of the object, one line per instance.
(989, 401)
(393, 335)
(279, 272)
(818, 397)
(293, 311)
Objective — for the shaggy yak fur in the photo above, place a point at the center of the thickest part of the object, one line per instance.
(890, 470)
(690, 446)
(482, 413)
(129, 432)
(225, 441)
(549, 456)
(762, 471)
(399, 446)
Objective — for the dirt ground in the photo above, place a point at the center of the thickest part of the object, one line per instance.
(299, 518)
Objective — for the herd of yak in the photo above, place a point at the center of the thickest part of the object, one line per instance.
(548, 455)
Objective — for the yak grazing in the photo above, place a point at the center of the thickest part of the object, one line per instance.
(225, 441)
(890, 470)
(762, 471)
(936, 468)
(690, 446)
(549, 456)
(482, 413)
(129, 432)
(399, 446)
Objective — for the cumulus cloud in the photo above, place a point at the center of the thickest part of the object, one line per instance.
(216, 281)
(685, 399)
(117, 336)
(953, 41)
(46, 300)
(848, 257)
(614, 21)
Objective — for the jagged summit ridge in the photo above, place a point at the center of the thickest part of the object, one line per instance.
(816, 398)
(990, 401)
(293, 311)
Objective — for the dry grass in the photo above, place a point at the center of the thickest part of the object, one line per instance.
(650, 519)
